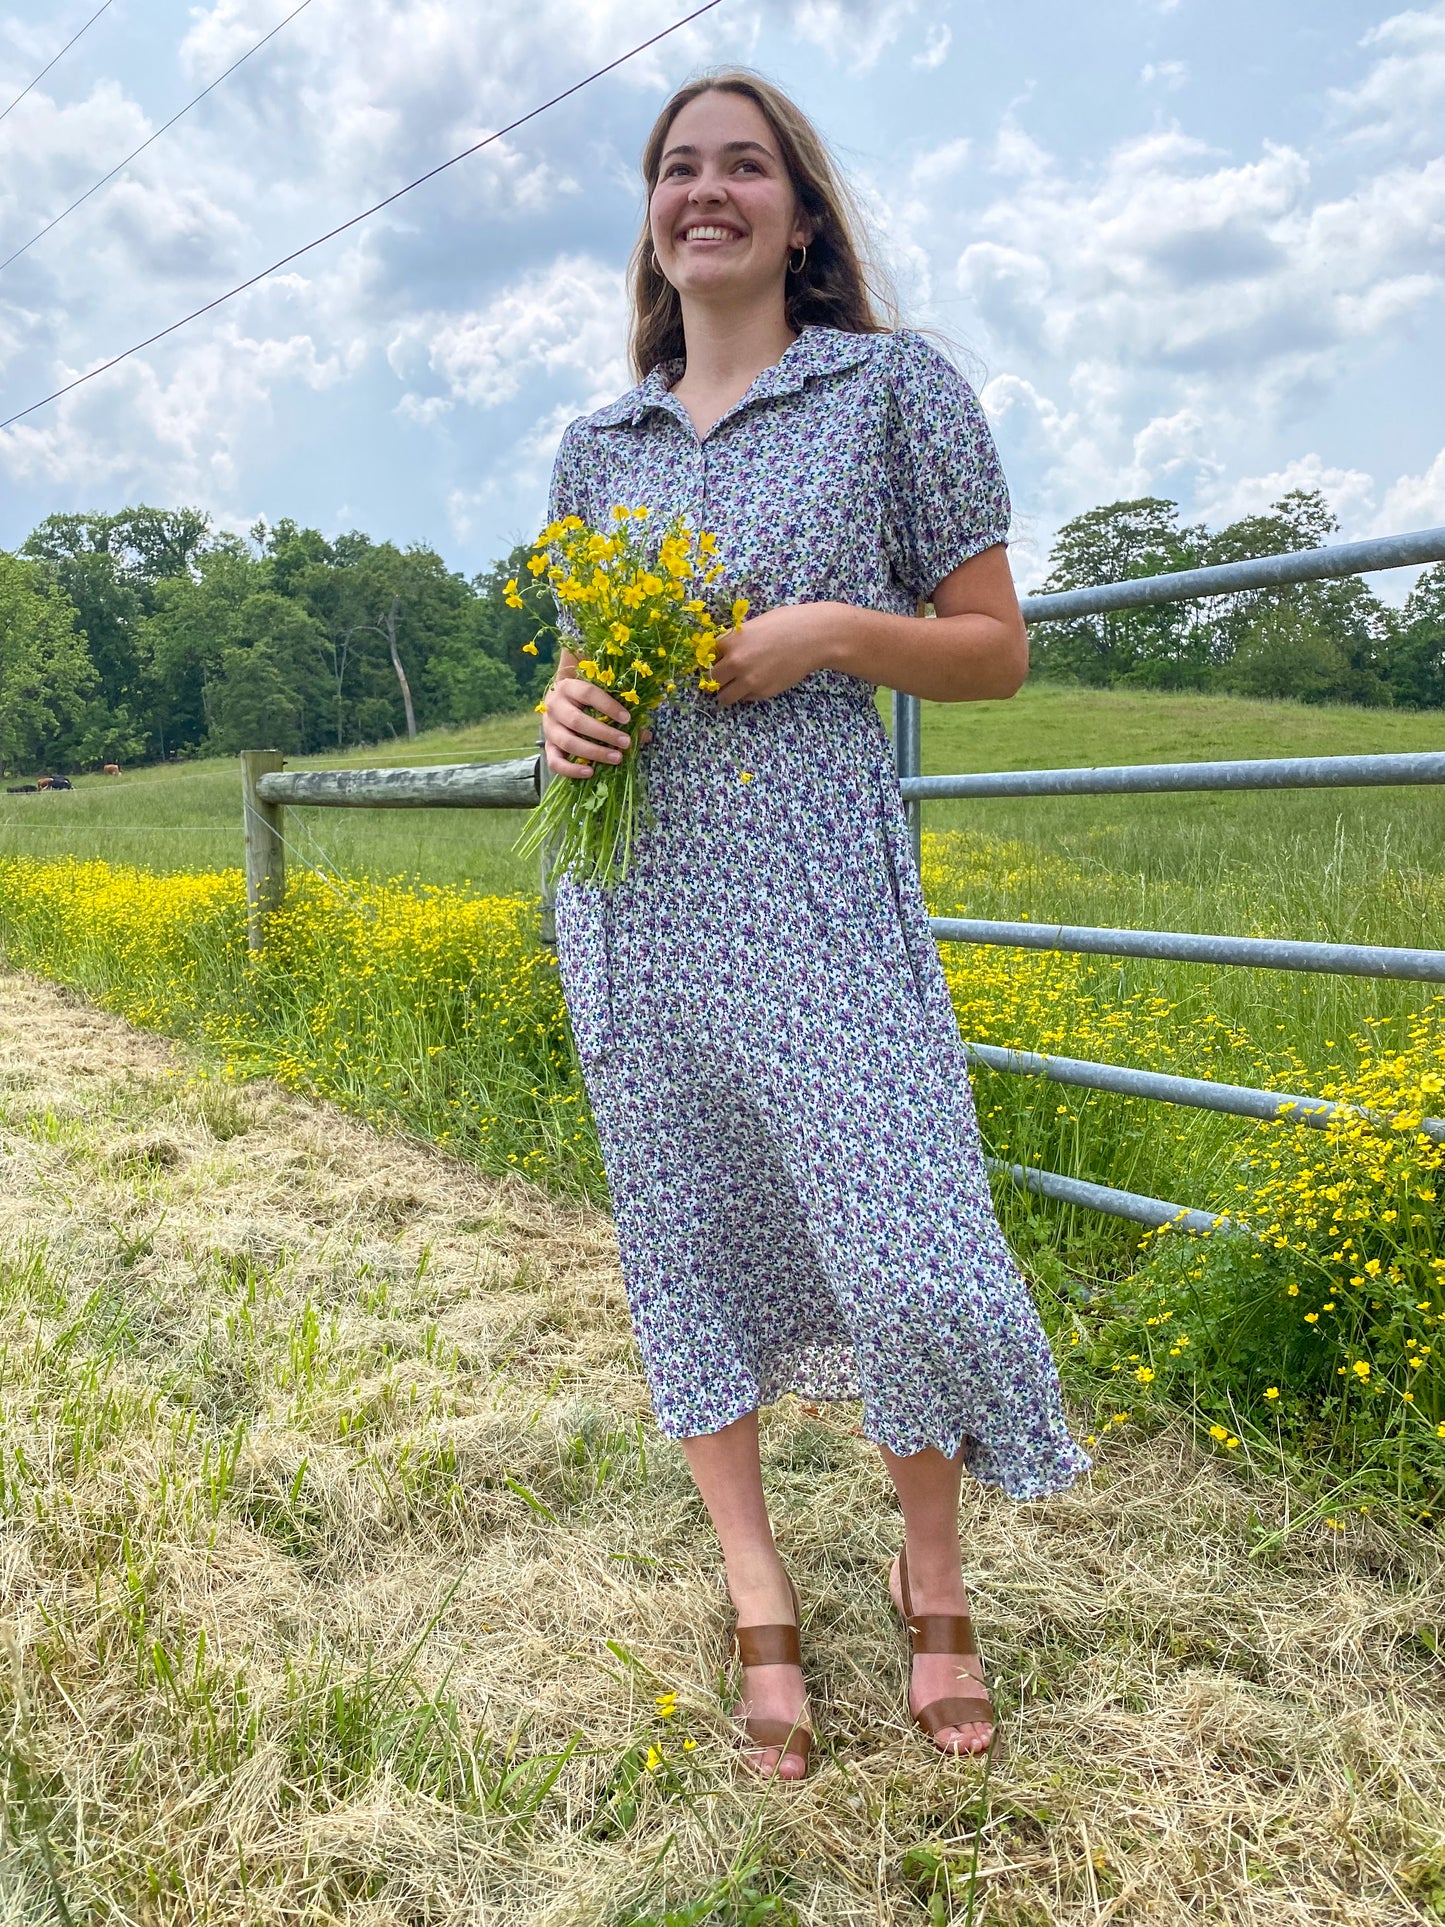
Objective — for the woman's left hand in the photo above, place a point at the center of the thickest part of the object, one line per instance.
(773, 651)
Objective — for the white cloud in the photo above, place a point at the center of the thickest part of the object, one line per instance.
(1170, 74)
(935, 51)
(568, 320)
(1349, 491)
(1402, 97)
(854, 32)
(938, 164)
(1171, 257)
(1414, 501)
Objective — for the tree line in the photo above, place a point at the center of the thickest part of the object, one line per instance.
(1318, 642)
(150, 634)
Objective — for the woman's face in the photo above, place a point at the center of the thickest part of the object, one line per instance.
(723, 214)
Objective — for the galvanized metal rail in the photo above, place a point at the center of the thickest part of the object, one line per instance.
(1185, 946)
(1111, 1202)
(1131, 779)
(1230, 578)
(1199, 1093)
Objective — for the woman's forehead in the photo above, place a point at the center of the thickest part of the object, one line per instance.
(717, 120)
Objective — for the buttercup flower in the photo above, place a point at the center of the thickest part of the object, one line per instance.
(632, 595)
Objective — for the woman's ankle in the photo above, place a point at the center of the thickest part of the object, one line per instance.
(935, 1572)
(758, 1578)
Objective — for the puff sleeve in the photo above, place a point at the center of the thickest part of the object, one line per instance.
(568, 496)
(946, 498)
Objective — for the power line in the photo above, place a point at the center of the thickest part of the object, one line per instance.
(60, 56)
(156, 135)
(365, 214)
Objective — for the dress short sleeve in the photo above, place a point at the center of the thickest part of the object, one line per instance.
(568, 496)
(947, 498)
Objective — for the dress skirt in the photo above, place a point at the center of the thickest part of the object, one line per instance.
(783, 1101)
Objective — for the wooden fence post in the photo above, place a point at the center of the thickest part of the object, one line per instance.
(265, 850)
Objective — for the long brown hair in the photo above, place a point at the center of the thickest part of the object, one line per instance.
(836, 286)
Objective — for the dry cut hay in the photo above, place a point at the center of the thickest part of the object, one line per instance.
(341, 1570)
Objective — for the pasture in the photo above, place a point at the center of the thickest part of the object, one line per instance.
(343, 1572)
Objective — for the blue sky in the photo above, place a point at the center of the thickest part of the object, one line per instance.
(1181, 249)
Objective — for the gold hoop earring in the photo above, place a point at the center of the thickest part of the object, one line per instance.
(801, 264)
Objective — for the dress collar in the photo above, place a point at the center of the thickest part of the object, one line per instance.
(817, 351)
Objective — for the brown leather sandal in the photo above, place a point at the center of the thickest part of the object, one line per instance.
(946, 1633)
(773, 1646)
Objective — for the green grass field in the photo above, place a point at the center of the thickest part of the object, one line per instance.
(187, 816)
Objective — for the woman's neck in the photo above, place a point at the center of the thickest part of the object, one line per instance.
(726, 350)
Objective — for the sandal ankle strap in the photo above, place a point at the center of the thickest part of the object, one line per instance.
(768, 1645)
(942, 1633)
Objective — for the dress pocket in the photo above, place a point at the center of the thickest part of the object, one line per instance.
(912, 932)
(584, 963)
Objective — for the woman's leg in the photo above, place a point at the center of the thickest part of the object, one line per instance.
(728, 1473)
(927, 1485)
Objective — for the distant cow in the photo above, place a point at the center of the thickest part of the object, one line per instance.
(20, 789)
(110, 769)
(57, 783)
(44, 782)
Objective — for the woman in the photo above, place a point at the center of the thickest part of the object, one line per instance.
(759, 1009)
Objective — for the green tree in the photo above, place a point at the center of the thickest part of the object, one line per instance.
(503, 632)
(109, 565)
(1415, 656)
(1338, 627)
(47, 684)
(270, 687)
(195, 619)
(1157, 646)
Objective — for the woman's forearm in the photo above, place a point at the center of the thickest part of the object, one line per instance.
(945, 659)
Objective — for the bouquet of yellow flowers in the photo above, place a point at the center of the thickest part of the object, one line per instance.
(642, 607)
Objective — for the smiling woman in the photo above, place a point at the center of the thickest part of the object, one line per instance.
(780, 1091)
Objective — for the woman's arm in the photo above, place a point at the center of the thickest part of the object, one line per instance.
(976, 648)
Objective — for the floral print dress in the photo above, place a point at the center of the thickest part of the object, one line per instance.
(759, 1008)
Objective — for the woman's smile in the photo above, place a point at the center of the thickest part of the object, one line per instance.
(709, 234)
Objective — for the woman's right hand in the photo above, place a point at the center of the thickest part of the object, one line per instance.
(570, 730)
